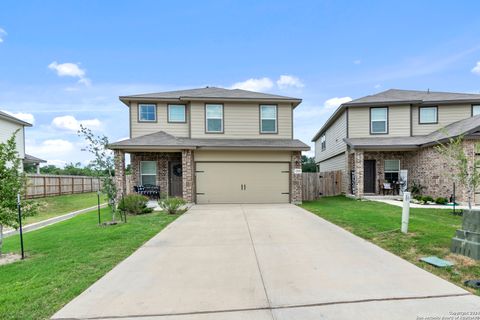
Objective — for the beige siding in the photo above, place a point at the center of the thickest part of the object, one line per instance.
(143, 128)
(333, 164)
(446, 115)
(246, 182)
(241, 120)
(7, 128)
(398, 122)
(334, 139)
(263, 156)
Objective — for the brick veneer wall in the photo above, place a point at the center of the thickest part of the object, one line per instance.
(162, 159)
(296, 179)
(188, 175)
(120, 179)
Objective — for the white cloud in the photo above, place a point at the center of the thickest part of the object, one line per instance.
(55, 162)
(69, 69)
(27, 117)
(70, 123)
(48, 149)
(476, 69)
(358, 61)
(260, 84)
(335, 102)
(3, 33)
(289, 81)
(377, 86)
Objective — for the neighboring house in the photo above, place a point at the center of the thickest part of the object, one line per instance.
(371, 139)
(213, 145)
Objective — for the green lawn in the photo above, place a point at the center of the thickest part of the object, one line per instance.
(66, 258)
(430, 232)
(58, 205)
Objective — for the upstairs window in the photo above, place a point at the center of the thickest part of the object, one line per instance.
(177, 113)
(379, 120)
(428, 115)
(147, 112)
(475, 110)
(214, 118)
(323, 142)
(268, 119)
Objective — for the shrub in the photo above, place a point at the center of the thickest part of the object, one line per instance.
(416, 188)
(134, 204)
(441, 200)
(427, 199)
(418, 197)
(171, 205)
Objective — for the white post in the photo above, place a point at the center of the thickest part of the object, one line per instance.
(405, 211)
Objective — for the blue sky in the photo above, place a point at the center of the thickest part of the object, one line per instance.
(66, 62)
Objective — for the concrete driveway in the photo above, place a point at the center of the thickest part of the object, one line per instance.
(264, 262)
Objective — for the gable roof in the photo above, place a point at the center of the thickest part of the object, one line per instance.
(163, 140)
(466, 127)
(6, 116)
(210, 94)
(398, 96)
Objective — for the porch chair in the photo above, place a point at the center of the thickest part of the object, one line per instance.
(386, 187)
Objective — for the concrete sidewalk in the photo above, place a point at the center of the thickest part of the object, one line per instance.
(53, 220)
(264, 262)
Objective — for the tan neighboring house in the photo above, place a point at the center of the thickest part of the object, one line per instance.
(213, 145)
(8, 126)
(390, 136)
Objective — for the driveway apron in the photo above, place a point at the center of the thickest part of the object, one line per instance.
(269, 261)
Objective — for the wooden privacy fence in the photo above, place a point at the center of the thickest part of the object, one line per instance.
(317, 184)
(39, 186)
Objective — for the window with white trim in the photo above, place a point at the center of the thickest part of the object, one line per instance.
(323, 142)
(147, 112)
(148, 172)
(268, 118)
(392, 170)
(475, 110)
(176, 113)
(428, 115)
(214, 118)
(379, 120)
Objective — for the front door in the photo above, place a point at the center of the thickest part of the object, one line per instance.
(175, 179)
(369, 176)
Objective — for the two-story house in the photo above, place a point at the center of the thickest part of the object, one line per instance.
(390, 137)
(213, 145)
(10, 125)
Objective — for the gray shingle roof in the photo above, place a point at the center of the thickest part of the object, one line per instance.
(397, 96)
(465, 127)
(11, 118)
(211, 93)
(413, 96)
(163, 140)
(31, 159)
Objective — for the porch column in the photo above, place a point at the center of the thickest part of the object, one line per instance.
(187, 175)
(358, 162)
(296, 178)
(120, 180)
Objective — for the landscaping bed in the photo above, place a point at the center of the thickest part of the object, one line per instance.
(66, 258)
(430, 232)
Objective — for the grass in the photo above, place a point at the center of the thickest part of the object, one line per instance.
(58, 205)
(66, 258)
(430, 232)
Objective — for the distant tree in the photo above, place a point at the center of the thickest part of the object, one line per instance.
(102, 165)
(308, 164)
(12, 182)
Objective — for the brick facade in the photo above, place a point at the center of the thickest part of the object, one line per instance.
(188, 175)
(425, 167)
(120, 179)
(296, 179)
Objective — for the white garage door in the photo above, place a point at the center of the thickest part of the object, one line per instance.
(245, 182)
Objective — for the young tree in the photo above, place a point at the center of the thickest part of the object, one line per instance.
(464, 169)
(12, 182)
(103, 164)
(308, 164)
